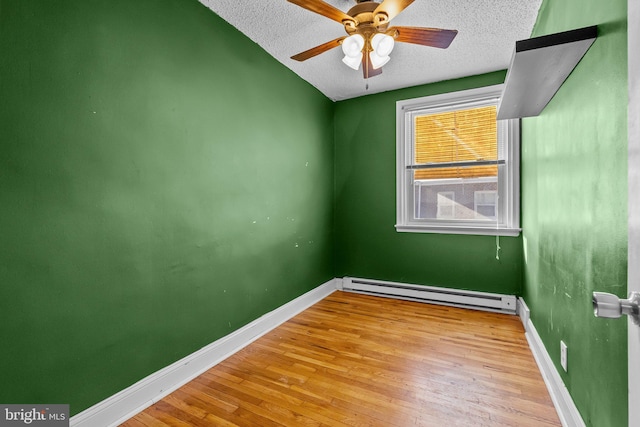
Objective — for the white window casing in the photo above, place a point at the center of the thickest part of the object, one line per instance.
(408, 218)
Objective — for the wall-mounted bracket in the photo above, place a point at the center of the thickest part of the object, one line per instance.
(611, 307)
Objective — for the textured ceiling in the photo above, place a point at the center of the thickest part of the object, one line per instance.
(487, 32)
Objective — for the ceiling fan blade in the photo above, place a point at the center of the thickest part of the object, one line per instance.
(392, 7)
(367, 68)
(303, 56)
(434, 37)
(322, 8)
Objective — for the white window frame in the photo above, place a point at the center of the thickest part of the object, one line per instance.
(508, 209)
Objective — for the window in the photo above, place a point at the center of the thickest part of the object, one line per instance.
(457, 165)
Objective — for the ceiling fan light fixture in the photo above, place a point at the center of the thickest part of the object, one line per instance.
(353, 61)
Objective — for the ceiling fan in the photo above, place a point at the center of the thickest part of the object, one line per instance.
(369, 38)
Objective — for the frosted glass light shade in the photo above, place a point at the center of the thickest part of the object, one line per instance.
(352, 45)
(353, 61)
(382, 44)
(378, 61)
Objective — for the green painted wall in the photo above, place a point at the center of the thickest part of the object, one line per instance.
(163, 181)
(367, 244)
(574, 204)
(160, 174)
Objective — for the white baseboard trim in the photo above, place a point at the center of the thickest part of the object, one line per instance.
(523, 312)
(128, 402)
(567, 410)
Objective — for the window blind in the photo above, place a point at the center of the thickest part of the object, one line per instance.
(456, 144)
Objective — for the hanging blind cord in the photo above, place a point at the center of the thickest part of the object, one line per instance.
(497, 227)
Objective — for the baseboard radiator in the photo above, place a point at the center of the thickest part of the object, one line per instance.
(432, 295)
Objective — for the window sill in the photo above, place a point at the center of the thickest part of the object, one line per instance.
(481, 231)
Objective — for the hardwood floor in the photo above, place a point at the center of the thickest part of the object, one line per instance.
(356, 360)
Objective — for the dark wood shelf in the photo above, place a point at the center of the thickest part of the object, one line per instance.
(538, 68)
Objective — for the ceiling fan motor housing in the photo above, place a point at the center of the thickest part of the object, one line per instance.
(364, 21)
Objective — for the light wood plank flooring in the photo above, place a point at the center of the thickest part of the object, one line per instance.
(356, 360)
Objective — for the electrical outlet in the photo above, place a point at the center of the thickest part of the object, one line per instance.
(563, 355)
